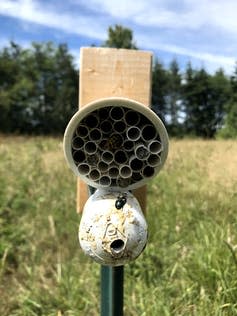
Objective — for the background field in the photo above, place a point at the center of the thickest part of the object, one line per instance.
(188, 268)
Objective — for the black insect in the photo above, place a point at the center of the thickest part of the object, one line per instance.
(120, 202)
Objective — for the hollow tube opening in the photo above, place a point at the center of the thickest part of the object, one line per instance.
(103, 144)
(83, 169)
(95, 134)
(105, 181)
(141, 152)
(136, 164)
(92, 120)
(116, 113)
(92, 159)
(82, 131)
(125, 171)
(120, 157)
(128, 145)
(113, 172)
(148, 171)
(103, 112)
(136, 176)
(77, 143)
(106, 127)
(117, 246)
(154, 160)
(133, 133)
(155, 147)
(148, 132)
(119, 126)
(114, 141)
(94, 175)
(90, 147)
(102, 166)
(132, 117)
(107, 156)
(79, 156)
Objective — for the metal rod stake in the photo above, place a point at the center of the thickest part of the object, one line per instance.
(111, 286)
(112, 291)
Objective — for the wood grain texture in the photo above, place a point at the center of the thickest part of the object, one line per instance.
(109, 72)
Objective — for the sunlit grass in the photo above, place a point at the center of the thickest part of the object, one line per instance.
(188, 268)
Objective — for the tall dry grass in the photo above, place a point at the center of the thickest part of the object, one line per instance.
(188, 268)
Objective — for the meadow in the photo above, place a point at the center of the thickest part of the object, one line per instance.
(188, 268)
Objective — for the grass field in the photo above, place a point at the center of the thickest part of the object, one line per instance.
(188, 268)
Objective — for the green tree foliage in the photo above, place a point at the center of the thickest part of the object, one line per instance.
(13, 87)
(120, 37)
(193, 103)
(39, 91)
(174, 98)
(159, 90)
(38, 88)
(229, 129)
(221, 93)
(196, 91)
(204, 99)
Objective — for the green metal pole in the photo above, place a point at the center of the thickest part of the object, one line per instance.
(112, 291)
(111, 286)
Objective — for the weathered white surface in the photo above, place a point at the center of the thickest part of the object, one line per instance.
(109, 235)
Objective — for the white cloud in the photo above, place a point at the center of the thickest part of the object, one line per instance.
(178, 27)
(43, 14)
(189, 14)
(167, 22)
(147, 13)
(212, 61)
(222, 14)
(118, 8)
(216, 60)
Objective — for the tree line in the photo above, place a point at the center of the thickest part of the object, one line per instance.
(39, 91)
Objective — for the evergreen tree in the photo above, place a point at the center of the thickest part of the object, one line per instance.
(8, 71)
(174, 98)
(57, 86)
(159, 90)
(39, 91)
(189, 98)
(220, 96)
(204, 100)
(120, 37)
(229, 129)
(38, 88)
(15, 89)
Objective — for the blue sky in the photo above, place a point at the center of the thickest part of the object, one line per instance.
(203, 32)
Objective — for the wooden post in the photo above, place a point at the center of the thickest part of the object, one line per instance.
(109, 72)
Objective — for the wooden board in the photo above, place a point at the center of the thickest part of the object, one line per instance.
(109, 72)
